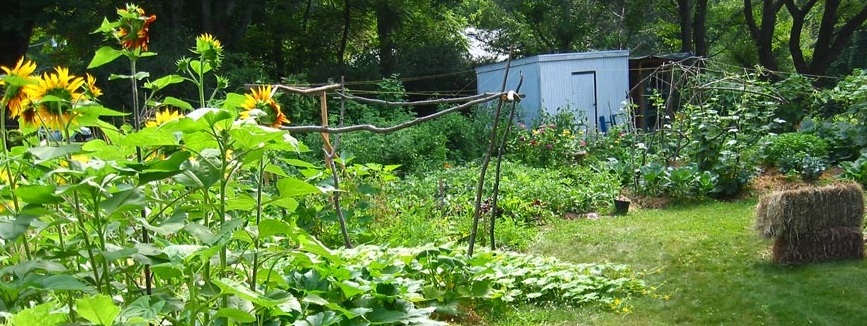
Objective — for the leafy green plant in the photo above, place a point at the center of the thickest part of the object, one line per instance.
(855, 170)
(781, 150)
(555, 140)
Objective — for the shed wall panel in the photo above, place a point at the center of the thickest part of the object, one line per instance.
(550, 85)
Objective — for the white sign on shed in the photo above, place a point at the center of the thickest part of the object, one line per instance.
(592, 85)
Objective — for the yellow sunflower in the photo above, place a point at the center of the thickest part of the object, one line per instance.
(162, 117)
(209, 47)
(92, 90)
(261, 106)
(134, 28)
(55, 112)
(15, 94)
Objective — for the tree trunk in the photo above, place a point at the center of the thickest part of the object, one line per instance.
(684, 12)
(344, 39)
(386, 23)
(763, 35)
(15, 38)
(699, 28)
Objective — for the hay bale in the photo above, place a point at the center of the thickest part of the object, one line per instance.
(814, 224)
(806, 210)
(827, 245)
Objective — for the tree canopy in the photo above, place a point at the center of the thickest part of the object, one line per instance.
(365, 40)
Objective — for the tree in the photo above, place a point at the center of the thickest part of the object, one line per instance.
(692, 16)
(837, 22)
(835, 30)
(17, 21)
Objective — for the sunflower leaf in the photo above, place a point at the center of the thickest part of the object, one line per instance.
(163, 82)
(176, 102)
(104, 55)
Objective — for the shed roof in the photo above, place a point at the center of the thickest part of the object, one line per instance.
(552, 58)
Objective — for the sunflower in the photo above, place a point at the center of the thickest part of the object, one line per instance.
(261, 106)
(15, 93)
(91, 89)
(162, 117)
(64, 90)
(134, 27)
(209, 48)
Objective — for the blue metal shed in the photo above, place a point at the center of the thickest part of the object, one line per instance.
(594, 84)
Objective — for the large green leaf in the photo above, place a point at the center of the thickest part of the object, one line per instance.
(286, 203)
(162, 82)
(233, 101)
(98, 110)
(149, 137)
(309, 244)
(271, 227)
(168, 270)
(325, 318)
(295, 187)
(237, 315)
(61, 282)
(11, 229)
(48, 153)
(124, 200)
(199, 174)
(98, 309)
(104, 55)
(178, 103)
(41, 315)
(163, 169)
(243, 202)
(232, 287)
(142, 312)
(201, 232)
(37, 194)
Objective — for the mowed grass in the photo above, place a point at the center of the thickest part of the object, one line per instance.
(711, 266)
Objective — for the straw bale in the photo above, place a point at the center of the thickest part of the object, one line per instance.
(827, 245)
(809, 210)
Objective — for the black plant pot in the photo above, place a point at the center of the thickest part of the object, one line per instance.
(621, 207)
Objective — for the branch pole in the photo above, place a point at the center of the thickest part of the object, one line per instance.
(329, 162)
(484, 168)
(500, 150)
(382, 130)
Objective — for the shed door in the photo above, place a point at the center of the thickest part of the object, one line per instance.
(584, 95)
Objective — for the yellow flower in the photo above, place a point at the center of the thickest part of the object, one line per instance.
(261, 106)
(15, 94)
(210, 48)
(162, 117)
(134, 28)
(64, 89)
(92, 90)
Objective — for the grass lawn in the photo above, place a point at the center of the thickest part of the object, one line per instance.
(711, 264)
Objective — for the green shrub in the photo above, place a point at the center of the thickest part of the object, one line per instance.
(787, 150)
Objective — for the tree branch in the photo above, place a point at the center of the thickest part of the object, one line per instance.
(381, 130)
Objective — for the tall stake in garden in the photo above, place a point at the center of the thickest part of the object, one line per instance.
(329, 161)
(480, 188)
(514, 98)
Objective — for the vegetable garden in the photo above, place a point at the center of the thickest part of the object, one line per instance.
(244, 207)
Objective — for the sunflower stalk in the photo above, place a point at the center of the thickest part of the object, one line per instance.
(259, 207)
(8, 171)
